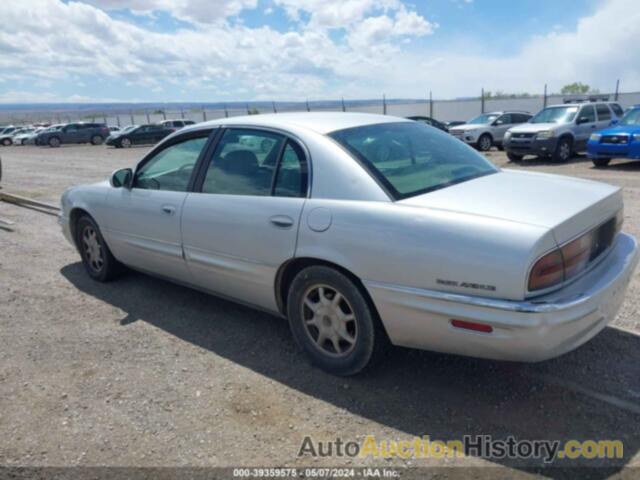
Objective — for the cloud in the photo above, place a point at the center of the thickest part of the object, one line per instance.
(355, 48)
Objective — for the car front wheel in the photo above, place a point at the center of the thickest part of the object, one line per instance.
(513, 157)
(332, 321)
(125, 143)
(564, 150)
(6, 142)
(601, 162)
(485, 142)
(97, 259)
(54, 142)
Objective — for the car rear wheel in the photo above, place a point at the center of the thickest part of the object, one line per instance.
(485, 142)
(54, 142)
(332, 321)
(125, 143)
(513, 157)
(97, 259)
(6, 142)
(96, 140)
(564, 150)
(601, 162)
(23, 141)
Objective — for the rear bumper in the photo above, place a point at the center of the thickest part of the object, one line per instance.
(531, 146)
(529, 331)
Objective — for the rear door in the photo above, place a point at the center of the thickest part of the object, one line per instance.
(500, 126)
(604, 115)
(242, 223)
(143, 229)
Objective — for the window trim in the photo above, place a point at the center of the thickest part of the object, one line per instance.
(204, 162)
(609, 109)
(208, 133)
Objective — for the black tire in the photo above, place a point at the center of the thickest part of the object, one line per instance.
(23, 142)
(125, 143)
(6, 142)
(97, 140)
(563, 151)
(54, 142)
(601, 162)
(485, 142)
(513, 157)
(109, 267)
(369, 338)
(501, 147)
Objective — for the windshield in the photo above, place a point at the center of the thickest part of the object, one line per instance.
(411, 158)
(555, 115)
(483, 119)
(632, 117)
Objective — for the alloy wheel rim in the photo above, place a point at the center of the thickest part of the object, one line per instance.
(126, 142)
(564, 151)
(329, 320)
(92, 248)
(485, 143)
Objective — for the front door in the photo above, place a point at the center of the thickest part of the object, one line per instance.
(586, 126)
(501, 125)
(241, 224)
(143, 225)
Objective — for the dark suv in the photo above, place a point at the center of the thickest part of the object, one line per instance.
(94, 133)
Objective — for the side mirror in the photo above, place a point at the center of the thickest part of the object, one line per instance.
(121, 178)
(582, 120)
(498, 122)
(615, 121)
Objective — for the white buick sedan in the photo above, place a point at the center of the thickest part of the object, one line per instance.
(363, 229)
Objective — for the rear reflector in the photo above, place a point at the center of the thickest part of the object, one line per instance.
(476, 327)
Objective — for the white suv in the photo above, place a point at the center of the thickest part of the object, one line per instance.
(488, 129)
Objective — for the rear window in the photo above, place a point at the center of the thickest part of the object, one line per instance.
(603, 112)
(409, 158)
(617, 109)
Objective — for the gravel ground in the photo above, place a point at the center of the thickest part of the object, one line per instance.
(141, 372)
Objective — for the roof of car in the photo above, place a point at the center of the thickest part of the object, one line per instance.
(320, 122)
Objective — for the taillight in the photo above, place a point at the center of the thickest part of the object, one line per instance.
(576, 255)
(547, 272)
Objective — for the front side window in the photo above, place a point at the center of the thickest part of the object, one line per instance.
(505, 119)
(587, 114)
(171, 168)
(603, 112)
(244, 163)
(409, 158)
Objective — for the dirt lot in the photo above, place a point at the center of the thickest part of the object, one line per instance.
(140, 372)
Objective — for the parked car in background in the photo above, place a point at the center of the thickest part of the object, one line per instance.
(30, 138)
(8, 130)
(454, 123)
(113, 128)
(94, 133)
(361, 228)
(6, 137)
(558, 131)
(488, 129)
(432, 122)
(21, 137)
(619, 141)
(176, 124)
(142, 135)
(41, 135)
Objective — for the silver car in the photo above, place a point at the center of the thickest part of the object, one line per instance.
(363, 229)
(487, 130)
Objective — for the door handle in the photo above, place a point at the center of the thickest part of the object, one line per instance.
(169, 209)
(281, 221)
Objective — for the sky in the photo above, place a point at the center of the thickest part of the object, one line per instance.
(238, 50)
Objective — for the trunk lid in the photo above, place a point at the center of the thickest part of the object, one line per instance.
(567, 206)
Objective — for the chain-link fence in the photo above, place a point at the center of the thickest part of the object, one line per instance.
(443, 110)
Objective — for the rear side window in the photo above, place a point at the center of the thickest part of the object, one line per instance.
(244, 163)
(603, 112)
(617, 109)
(291, 176)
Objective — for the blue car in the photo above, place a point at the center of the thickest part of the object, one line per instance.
(619, 141)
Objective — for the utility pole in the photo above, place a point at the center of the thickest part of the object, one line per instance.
(482, 100)
(617, 89)
(384, 104)
(344, 108)
(204, 114)
(308, 108)
(544, 101)
(430, 104)
(274, 107)
(226, 112)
